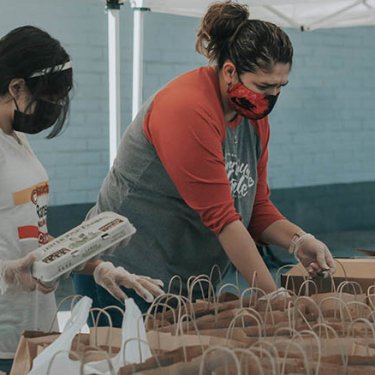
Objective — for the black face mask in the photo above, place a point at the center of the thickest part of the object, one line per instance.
(44, 116)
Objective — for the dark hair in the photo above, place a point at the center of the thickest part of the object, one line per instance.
(227, 33)
(27, 50)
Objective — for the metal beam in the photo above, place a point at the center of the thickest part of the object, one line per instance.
(113, 10)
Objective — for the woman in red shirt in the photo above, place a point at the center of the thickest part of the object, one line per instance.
(191, 170)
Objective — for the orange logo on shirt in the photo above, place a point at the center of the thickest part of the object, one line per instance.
(28, 195)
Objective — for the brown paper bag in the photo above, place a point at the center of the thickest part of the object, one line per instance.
(169, 363)
(168, 342)
(211, 321)
(106, 338)
(331, 305)
(236, 333)
(33, 343)
(214, 363)
(28, 348)
(201, 308)
(363, 349)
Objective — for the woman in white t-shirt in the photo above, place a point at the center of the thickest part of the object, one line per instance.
(35, 81)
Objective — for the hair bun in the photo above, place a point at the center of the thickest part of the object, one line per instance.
(220, 23)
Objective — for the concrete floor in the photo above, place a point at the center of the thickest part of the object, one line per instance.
(341, 244)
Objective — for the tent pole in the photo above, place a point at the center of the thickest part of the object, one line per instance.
(113, 10)
(138, 17)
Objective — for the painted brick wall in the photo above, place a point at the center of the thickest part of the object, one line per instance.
(77, 160)
(322, 128)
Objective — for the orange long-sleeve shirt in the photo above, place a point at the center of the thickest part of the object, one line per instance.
(185, 124)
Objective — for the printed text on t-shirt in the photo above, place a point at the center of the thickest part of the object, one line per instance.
(239, 176)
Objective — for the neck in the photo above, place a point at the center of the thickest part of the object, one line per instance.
(6, 110)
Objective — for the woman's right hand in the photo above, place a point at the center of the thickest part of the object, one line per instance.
(112, 278)
(17, 274)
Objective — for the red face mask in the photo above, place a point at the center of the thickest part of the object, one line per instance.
(251, 104)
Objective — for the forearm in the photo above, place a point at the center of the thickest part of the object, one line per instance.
(90, 267)
(280, 233)
(243, 253)
(312, 253)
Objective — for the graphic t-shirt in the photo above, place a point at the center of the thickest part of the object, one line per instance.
(23, 227)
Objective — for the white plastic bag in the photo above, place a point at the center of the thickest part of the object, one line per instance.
(134, 343)
(54, 360)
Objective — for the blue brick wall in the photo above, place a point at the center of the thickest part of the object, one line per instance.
(322, 126)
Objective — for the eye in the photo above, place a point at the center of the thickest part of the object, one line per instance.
(262, 87)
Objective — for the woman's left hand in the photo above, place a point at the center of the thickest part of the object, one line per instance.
(314, 256)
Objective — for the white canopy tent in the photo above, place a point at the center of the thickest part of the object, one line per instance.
(303, 14)
(306, 15)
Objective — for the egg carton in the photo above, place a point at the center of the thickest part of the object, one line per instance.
(79, 245)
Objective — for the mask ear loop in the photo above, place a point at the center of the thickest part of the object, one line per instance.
(15, 102)
(13, 133)
(18, 109)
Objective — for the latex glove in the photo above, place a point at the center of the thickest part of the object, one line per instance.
(313, 255)
(17, 274)
(279, 293)
(112, 278)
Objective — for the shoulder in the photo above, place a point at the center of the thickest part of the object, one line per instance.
(194, 90)
(25, 142)
(8, 144)
(189, 101)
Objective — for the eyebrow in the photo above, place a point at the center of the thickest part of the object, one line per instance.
(265, 84)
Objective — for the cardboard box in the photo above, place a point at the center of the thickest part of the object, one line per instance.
(360, 270)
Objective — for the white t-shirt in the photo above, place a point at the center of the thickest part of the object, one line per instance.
(23, 227)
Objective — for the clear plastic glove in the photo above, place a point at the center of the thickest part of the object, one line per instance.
(314, 256)
(276, 294)
(17, 274)
(112, 278)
